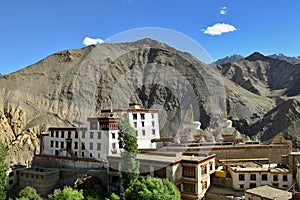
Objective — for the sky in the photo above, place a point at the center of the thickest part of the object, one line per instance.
(34, 29)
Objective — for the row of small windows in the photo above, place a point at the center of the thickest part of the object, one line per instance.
(144, 132)
(143, 124)
(264, 177)
(55, 144)
(83, 135)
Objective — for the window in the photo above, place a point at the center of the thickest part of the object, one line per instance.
(152, 115)
(144, 133)
(203, 169)
(82, 146)
(134, 124)
(275, 177)
(241, 177)
(56, 134)
(284, 186)
(52, 134)
(62, 135)
(113, 145)
(91, 135)
(51, 144)
(98, 146)
(75, 145)
(82, 154)
(134, 116)
(264, 177)
(284, 177)
(11, 174)
(76, 134)
(56, 152)
(99, 135)
(143, 116)
(93, 125)
(188, 172)
(153, 124)
(252, 177)
(211, 166)
(75, 153)
(91, 155)
(252, 185)
(69, 134)
(91, 146)
(99, 155)
(113, 135)
(153, 132)
(62, 145)
(11, 182)
(190, 188)
(136, 133)
(143, 124)
(242, 186)
(83, 135)
(56, 144)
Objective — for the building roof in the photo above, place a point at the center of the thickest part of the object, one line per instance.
(256, 167)
(268, 192)
(167, 158)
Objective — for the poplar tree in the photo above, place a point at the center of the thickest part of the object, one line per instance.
(129, 164)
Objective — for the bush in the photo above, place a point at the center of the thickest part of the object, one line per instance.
(29, 193)
(152, 188)
(67, 193)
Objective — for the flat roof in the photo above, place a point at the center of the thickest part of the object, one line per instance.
(269, 192)
(256, 167)
(166, 158)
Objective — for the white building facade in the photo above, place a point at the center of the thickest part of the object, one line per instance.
(254, 175)
(100, 137)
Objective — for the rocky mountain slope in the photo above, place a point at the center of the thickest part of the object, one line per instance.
(67, 87)
(276, 79)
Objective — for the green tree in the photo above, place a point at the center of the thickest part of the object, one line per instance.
(3, 170)
(129, 164)
(29, 193)
(152, 188)
(67, 193)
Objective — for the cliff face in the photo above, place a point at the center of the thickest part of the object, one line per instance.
(67, 87)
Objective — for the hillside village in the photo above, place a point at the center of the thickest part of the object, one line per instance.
(216, 163)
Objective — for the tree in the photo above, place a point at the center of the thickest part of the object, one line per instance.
(152, 188)
(3, 170)
(129, 164)
(29, 193)
(67, 193)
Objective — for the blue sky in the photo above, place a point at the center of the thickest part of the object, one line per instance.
(34, 29)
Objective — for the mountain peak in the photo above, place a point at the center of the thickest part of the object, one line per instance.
(256, 56)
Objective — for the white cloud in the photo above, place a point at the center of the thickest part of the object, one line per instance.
(219, 29)
(223, 10)
(89, 41)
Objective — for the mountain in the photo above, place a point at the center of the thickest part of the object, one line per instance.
(264, 76)
(275, 79)
(228, 59)
(67, 87)
(279, 56)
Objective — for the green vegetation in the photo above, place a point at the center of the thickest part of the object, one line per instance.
(67, 193)
(29, 193)
(152, 188)
(3, 170)
(98, 193)
(129, 164)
